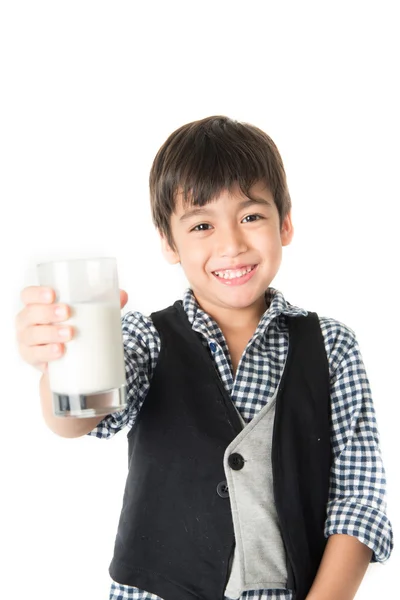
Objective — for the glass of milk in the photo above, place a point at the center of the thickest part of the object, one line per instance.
(89, 379)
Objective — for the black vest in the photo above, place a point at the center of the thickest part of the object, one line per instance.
(175, 536)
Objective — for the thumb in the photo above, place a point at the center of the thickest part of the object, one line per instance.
(123, 297)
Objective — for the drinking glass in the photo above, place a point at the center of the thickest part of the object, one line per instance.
(89, 379)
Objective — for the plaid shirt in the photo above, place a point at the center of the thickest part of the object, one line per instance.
(356, 504)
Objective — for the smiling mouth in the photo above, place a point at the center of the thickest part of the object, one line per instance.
(229, 274)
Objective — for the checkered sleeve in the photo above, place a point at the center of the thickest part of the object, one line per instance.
(141, 350)
(357, 496)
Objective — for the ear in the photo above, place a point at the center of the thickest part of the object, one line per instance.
(169, 253)
(287, 230)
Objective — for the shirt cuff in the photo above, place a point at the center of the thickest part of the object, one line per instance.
(369, 525)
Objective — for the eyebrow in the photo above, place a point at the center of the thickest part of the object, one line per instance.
(205, 211)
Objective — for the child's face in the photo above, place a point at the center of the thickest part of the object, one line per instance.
(218, 242)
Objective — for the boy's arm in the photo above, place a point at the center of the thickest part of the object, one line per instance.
(342, 568)
(357, 526)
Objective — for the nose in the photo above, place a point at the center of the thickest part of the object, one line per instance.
(231, 241)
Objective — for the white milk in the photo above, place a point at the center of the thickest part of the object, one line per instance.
(94, 358)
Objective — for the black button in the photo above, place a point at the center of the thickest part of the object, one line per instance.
(236, 461)
(222, 489)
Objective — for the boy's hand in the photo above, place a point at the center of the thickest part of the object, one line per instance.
(40, 331)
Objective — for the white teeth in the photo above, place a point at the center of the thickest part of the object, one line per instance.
(228, 274)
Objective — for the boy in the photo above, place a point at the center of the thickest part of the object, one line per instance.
(255, 468)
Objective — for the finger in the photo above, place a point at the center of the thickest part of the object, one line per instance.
(123, 297)
(37, 294)
(37, 335)
(41, 314)
(42, 367)
(35, 355)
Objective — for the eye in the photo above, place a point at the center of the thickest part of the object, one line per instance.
(252, 218)
(201, 227)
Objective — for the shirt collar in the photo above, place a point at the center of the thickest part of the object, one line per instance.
(276, 303)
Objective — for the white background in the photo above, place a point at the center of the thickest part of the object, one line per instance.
(89, 92)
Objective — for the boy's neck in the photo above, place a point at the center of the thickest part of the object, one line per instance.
(236, 320)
